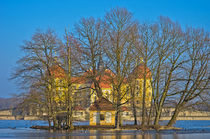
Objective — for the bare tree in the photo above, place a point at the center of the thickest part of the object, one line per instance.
(146, 51)
(132, 88)
(66, 63)
(194, 75)
(120, 29)
(90, 36)
(174, 63)
(170, 47)
(34, 69)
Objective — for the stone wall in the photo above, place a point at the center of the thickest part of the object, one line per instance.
(6, 112)
(187, 118)
(4, 117)
(31, 118)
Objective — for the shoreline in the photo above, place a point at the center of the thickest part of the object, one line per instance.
(125, 127)
(11, 117)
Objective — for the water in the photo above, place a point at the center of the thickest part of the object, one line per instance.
(11, 124)
(19, 129)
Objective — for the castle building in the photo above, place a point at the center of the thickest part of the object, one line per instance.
(84, 93)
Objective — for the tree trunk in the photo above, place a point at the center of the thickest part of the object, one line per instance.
(117, 124)
(49, 123)
(144, 96)
(173, 118)
(117, 121)
(150, 114)
(157, 117)
(163, 97)
(69, 92)
(134, 113)
(176, 113)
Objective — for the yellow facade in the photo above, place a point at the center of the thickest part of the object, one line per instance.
(61, 89)
(79, 115)
(108, 92)
(108, 118)
(125, 92)
(111, 95)
(139, 92)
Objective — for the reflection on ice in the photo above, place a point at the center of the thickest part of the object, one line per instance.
(98, 134)
(191, 130)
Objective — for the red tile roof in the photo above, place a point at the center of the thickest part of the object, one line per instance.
(57, 71)
(102, 104)
(123, 108)
(79, 80)
(105, 80)
(79, 108)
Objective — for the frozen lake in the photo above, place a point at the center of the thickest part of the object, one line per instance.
(20, 129)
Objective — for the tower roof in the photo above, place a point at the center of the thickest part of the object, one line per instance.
(139, 71)
(57, 71)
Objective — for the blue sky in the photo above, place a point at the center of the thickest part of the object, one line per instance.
(20, 18)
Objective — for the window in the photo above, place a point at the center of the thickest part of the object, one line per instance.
(76, 113)
(102, 118)
(108, 117)
(125, 113)
(94, 117)
(60, 80)
(137, 93)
